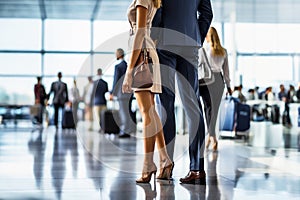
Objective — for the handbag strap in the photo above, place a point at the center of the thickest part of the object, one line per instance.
(204, 52)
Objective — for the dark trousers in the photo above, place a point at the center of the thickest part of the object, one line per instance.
(56, 112)
(181, 62)
(211, 96)
(126, 116)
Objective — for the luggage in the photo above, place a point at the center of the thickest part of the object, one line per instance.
(35, 113)
(68, 120)
(275, 114)
(108, 121)
(242, 117)
(299, 117)
(227, 114)
(234, 118)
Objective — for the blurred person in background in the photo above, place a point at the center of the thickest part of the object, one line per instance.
(100, 87)
(75, 99)
(60, 91)
(212, 94)
(127, 125)
(40, 96)
(87, 99)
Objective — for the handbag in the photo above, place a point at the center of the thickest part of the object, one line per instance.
(205, 74)
(142, 75)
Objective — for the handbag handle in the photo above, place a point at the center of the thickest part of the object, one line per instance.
(204, 52)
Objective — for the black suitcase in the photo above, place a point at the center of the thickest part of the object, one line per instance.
(108, 121)
(275, 114)
(243, 117)
(68, 120)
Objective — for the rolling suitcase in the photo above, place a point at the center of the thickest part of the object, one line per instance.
(299, 117)
(108, 121)
(34, 113)
(68, 120)
(275, 114)
(234, 118)
(242, 117)
(227, 114)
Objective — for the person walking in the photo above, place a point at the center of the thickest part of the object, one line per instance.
(60, 91)
(126, 116)
(211, 94)
(87, 99)
(183, 26)
(75, 99)
(40, 96)
(99, 101)
(140, 15)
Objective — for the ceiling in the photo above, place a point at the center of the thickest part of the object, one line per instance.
(257, 11)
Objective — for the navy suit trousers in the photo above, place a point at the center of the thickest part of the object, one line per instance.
(181, 62)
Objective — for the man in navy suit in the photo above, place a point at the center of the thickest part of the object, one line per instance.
(99, 101)
(127, 125)
(183, 26)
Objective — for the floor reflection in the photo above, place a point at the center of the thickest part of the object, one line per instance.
(213, 192)
(65, 141)
(150, 193)
(64, 164)
(36, 146)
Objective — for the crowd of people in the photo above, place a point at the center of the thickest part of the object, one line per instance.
(183, 29)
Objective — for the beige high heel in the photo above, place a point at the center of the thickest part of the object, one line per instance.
(215, 146)
(146, 175)
(166, 172)
(207, 143)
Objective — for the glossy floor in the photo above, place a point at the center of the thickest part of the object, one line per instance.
(50, 164)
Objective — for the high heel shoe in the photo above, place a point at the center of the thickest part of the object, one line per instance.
(146, 177)
(207, 143)
(147, 174)
(215, 146)
(166, 172)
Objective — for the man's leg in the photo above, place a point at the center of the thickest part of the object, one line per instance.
(96, 112)
(127, 125)
(167, 98)
(56, 110)
(189, 92)
(100, 109)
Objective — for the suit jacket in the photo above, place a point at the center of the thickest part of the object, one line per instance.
(185, 22)
(120, 70)
(60, 91)
(99, 90)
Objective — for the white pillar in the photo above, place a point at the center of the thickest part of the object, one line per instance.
(234, 75)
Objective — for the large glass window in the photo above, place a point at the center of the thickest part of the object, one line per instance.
(73, 35)
(20, 34)
(17, 90)
(109, 39)
(262, 38)
(20, 64)
(265, 70)
(68, 64)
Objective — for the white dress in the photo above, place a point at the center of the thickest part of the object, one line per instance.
(131, 13)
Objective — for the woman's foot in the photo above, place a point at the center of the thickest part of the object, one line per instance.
(207, 143)
(215, 146)
(166, 171)
(147, 174)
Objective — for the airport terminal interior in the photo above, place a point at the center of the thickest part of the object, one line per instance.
(39, 38)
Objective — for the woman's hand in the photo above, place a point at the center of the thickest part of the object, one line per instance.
(126, 87)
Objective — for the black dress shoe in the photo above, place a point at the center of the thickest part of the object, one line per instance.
(124, 136)
(194, 177)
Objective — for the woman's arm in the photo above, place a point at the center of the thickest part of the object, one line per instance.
(141, 21)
